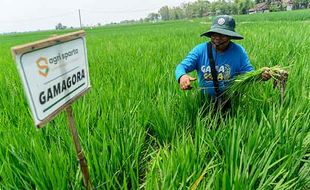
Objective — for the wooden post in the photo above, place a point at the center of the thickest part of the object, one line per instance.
(79, 152)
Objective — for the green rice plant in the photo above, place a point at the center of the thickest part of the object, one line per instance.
(138, 130)
(245, 81)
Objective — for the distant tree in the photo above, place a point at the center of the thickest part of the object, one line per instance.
(244, 6)
(153, 16)
(217, 8)
(201, 8)
(275, 6)
(176, 13)
(259, 1)
(164, 13)
(59, 26)
(301, 4)
(127, 21)
(188, 10)
(146, 19)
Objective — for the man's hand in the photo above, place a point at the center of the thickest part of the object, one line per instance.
(185, 82)
(266, 74)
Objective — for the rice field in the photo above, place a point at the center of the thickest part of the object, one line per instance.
(140, 131)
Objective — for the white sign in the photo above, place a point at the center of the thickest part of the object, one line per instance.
(54, 75)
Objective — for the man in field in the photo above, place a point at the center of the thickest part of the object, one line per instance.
(216, 62)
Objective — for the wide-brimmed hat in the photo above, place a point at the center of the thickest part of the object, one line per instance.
(224, 24)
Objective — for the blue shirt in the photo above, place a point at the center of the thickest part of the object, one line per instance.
(230, 63)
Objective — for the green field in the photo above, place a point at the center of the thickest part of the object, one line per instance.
(140, 131)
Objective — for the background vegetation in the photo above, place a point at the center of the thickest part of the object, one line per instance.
(140, 131)
(203, 8)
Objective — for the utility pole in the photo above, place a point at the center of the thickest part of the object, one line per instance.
(80, 19)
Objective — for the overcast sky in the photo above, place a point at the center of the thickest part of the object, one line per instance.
(29, 15)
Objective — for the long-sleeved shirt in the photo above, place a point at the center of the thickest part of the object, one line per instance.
(230, 63)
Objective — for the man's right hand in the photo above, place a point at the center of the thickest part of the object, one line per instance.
(185, 82)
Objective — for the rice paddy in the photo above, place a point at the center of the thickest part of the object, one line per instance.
(138, 130)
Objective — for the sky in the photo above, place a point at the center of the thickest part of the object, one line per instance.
(32, 15)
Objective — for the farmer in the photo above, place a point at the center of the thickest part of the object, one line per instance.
(216, 62)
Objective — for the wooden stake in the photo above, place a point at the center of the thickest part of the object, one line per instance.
(79, 152)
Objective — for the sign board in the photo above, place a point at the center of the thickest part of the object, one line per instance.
(54, 73)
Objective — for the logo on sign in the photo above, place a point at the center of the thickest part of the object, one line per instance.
(43, 66)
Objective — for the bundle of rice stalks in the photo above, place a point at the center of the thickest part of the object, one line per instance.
(244, 81)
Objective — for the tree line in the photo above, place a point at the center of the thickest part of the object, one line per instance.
(202, 8)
